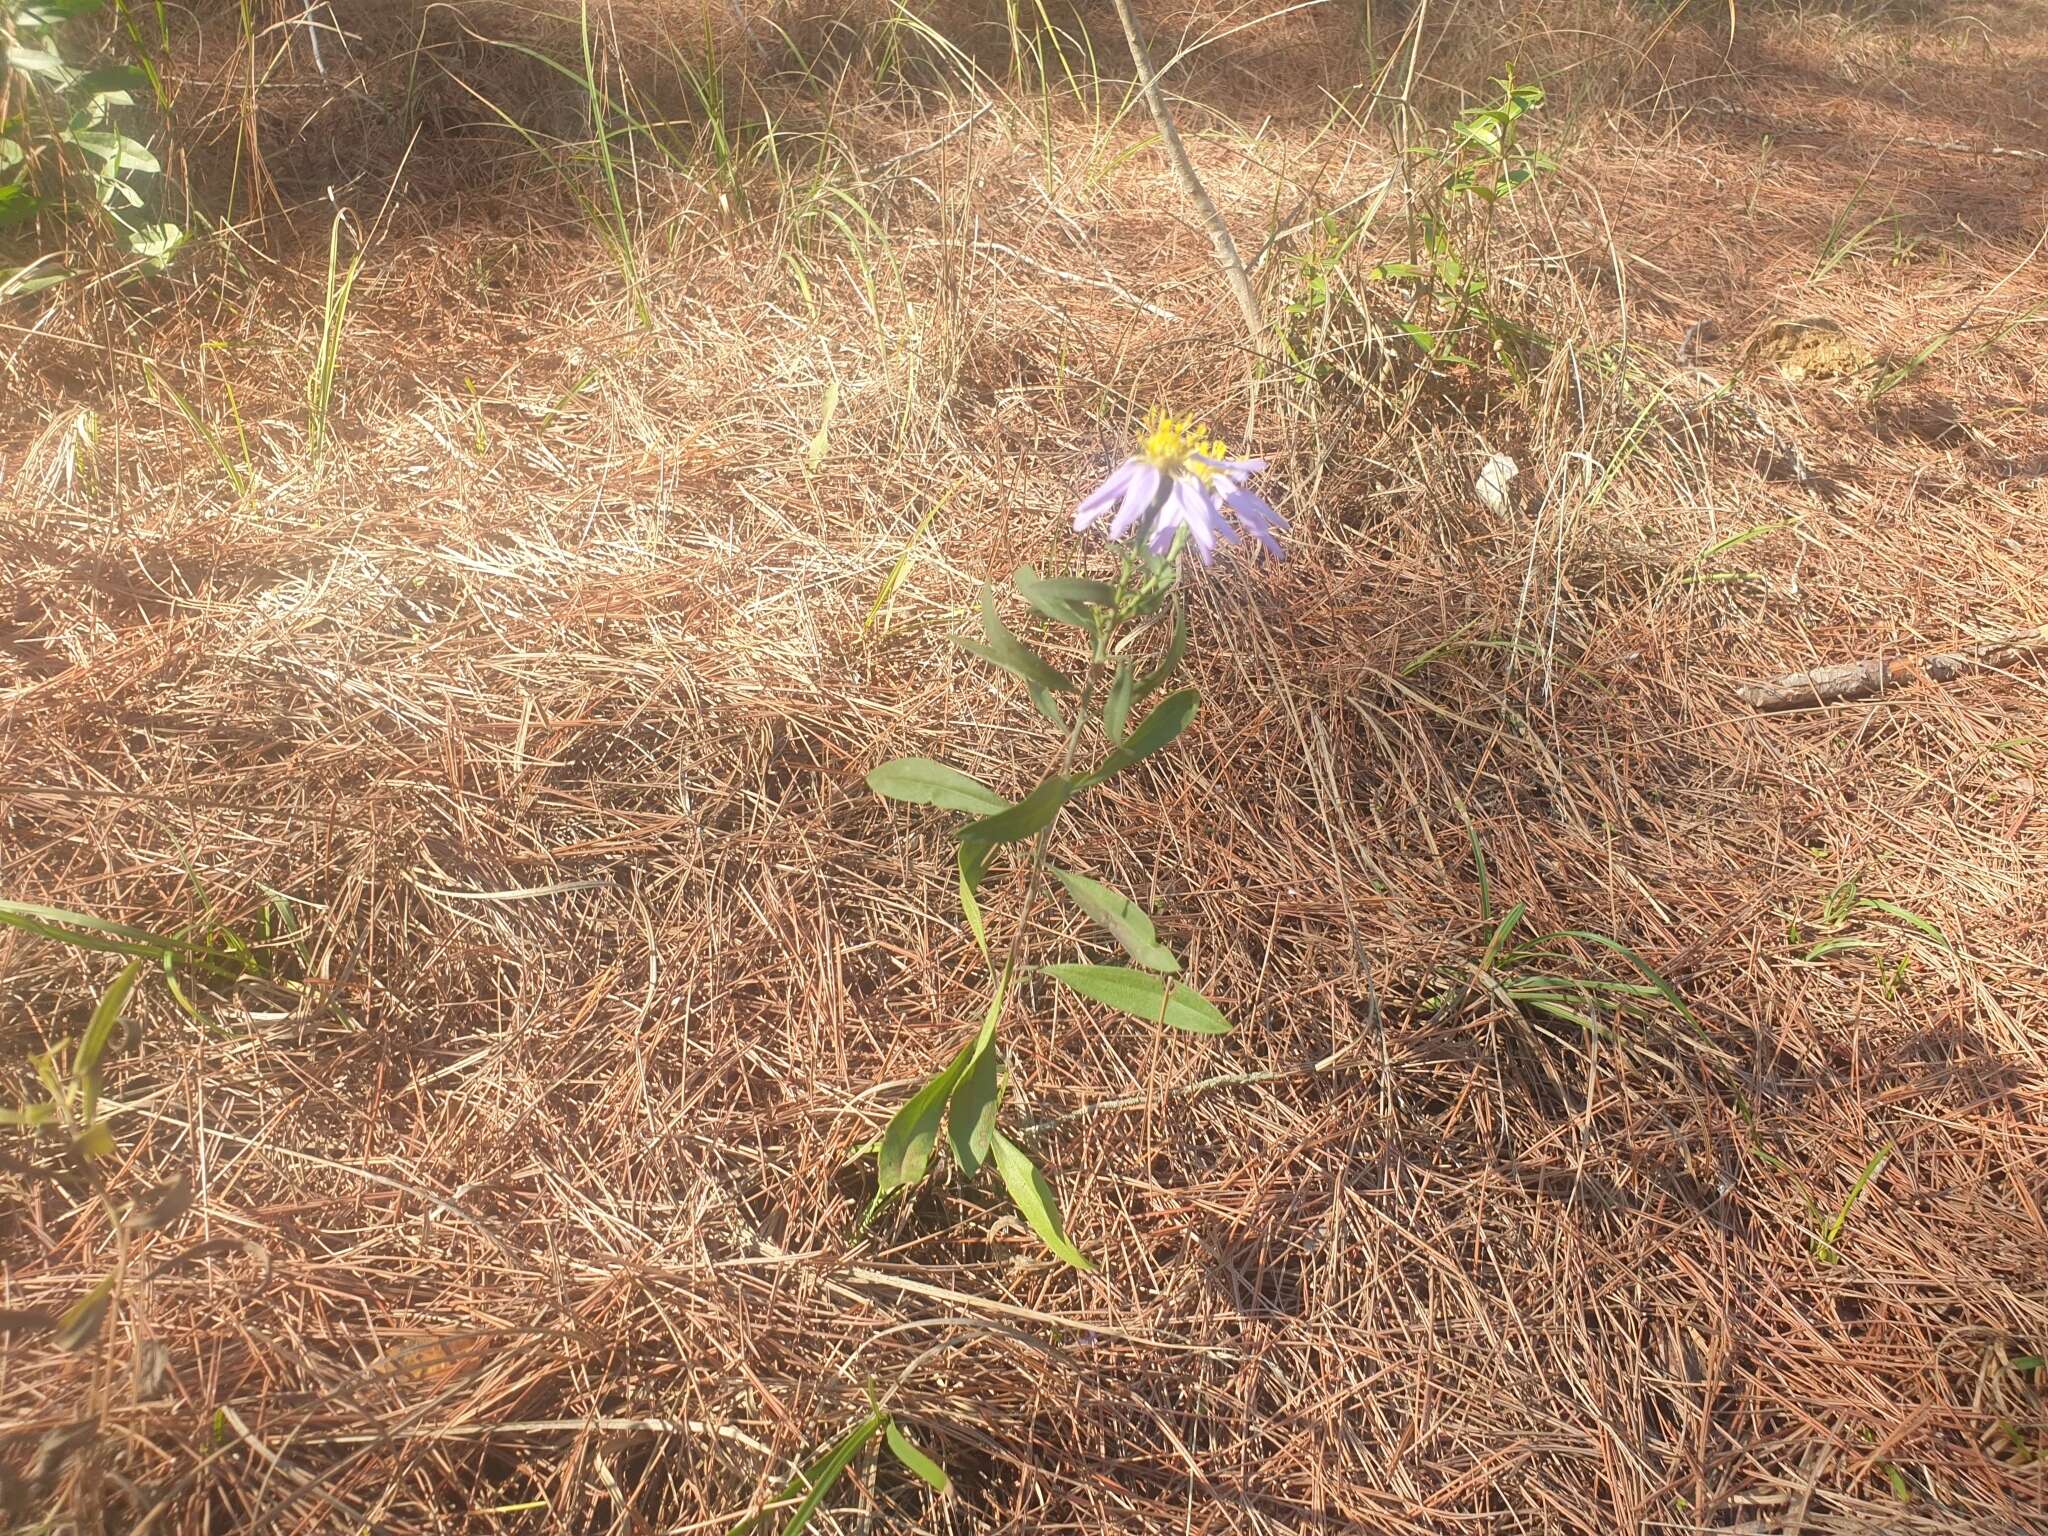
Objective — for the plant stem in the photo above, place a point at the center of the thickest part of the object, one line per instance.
(1034, 876)
(1184, 170)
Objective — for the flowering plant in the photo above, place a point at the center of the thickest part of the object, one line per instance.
(1173, 493)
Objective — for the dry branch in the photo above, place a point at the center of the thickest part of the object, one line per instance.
(1184, 170)
(1872, 678)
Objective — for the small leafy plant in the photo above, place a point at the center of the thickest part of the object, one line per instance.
(1828, 1229)
(1170, 495)
(803, 1494)
(1850, 922)
(65, 1113)
(1482, 167)
(1541, 983)
(1326, 330)
(66, 146)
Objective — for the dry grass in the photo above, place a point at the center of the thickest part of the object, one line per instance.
(522, 1195)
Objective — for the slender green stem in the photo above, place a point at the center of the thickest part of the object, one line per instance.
(1034, 877)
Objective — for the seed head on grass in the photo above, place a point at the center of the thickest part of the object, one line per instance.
(1181, 477)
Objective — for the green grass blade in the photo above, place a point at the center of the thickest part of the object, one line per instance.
(815, 1480)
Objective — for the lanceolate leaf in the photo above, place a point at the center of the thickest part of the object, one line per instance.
(815, 1481)
(1155, 731)
(1064, 600)
(1143, 997)
(1025, 818)
(907, 1143)
(17, 204)
(1047, 705)
(117, 85)
(81, 1321)
(915, 1459)
(973, 861)
(1116, 704)
(94, 1142)
(971, 1120)
(1176, 648)
(98, 933)
(1012, 654)
(1126, 921)
(1664, 989)
(920, 781)
(1035, 1199)
(100, 1028)
(115, 149)
(40, 61)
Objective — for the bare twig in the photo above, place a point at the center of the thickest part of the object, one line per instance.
(1878, 675)
(1184, 170)
(945, 138)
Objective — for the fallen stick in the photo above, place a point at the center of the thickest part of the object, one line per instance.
(1877, 676)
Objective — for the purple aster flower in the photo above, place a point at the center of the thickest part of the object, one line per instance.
(1183, 478)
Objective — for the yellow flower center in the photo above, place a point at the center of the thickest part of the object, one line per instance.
(1172, 442)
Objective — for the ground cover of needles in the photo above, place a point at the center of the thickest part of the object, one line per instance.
(523, 729)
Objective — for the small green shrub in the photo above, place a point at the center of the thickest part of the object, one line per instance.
(72, 170)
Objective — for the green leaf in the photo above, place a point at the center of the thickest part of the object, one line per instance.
(1020, 661)
(1142, 996)
(815, 1481)
(1063, 599)
(971, 1118)
(17, 204)
(99, 933)
(155, 243)
(920, 781)
(907, 1143)
(1024, 819)
(821, 444)
(1046, 704)
(1912, 919)
(1116, 704)
(826, 1472)
(1648, 972)
(115, 150)
(1126, 921)
(901, 569)
(1035, 1199)
(99, 1028)
(91, 1047)
(81, 1322)
(973, 862)
(117, 85)
(1176, 648)
(1156, 731)
(916, 1460)
(41, 63)
(94, 1142)
(44, 14)
(16, 283)
(1012, 654)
